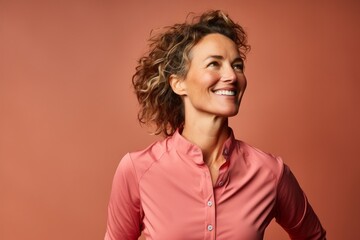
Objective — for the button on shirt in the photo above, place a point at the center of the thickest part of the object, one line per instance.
(166, 191)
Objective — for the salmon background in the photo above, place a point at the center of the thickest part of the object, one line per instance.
(68, 113)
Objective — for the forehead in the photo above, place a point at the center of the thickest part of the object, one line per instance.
(214, 44)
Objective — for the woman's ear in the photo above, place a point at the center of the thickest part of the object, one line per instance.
(177, 84)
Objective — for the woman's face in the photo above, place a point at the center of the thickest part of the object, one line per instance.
(215, 81)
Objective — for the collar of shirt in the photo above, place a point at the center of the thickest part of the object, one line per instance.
(183, 146)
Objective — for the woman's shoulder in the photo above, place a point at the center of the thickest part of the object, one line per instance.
(252, 150)
(142, 160)
(152, 152)
(262, 159)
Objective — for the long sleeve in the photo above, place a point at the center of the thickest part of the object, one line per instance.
(124, 210)
(293, 211)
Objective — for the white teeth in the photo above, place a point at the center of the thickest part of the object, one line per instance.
(225, 92)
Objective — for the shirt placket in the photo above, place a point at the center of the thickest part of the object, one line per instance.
(213, 193)
(221, 182)
(209, 204)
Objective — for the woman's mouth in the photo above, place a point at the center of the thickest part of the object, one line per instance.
(225, 92)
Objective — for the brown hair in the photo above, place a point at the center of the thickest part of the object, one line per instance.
(169, 54)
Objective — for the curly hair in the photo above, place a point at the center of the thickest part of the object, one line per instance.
(169, 54)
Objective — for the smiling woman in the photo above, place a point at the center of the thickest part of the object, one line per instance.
(215, 81)
(169, 56)
(200, 182)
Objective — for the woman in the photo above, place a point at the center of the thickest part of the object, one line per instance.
(200, 182)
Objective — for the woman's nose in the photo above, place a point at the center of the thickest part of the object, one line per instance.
(228, 74)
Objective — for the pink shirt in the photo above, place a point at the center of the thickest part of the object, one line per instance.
(166, 191)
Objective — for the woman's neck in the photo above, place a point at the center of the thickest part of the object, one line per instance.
(209, 134)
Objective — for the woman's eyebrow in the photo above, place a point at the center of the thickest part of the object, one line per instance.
(238, 59)
(219, 57)
(215, 56)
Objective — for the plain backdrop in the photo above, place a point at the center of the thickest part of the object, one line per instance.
(68, 113)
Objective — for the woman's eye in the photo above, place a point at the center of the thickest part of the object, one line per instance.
(238, 66)
(213, 64)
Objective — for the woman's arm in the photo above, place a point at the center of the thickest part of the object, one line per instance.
(293, 211)
(124, 211)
